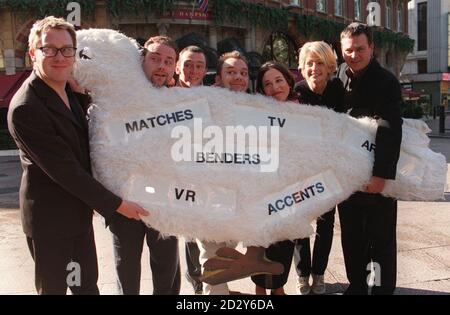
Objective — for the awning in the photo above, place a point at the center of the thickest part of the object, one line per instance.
(411, 95)
(9, 84)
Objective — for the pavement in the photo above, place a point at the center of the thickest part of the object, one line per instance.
(423, 238)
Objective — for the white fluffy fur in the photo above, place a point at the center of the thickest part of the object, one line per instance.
(121, 91)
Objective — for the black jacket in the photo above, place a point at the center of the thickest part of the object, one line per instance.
(57, 192)
(376, 93)
(332, 97)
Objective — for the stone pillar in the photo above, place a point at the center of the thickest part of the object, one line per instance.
(213, 37)
(100, 15)
(248, 39)
(7, 31)
(163, 28)
(10, 61)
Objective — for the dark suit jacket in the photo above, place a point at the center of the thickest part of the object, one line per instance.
(332, 97)
(377, 94)
(57, 192)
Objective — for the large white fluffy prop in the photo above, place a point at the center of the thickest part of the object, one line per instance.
(323, 156)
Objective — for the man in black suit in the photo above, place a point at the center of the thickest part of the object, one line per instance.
(368, 219)
(58, 193)
(158, 64)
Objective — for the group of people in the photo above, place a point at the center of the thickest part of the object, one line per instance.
(47, 120)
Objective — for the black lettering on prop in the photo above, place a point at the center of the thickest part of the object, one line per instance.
(296, 197)
(368, 146)
(132, 127)
(200, 157)
(188, 114)
(178, 194)
(280, 121)
(190, 194)
(143, 125)
(320, 188)
(271, 209)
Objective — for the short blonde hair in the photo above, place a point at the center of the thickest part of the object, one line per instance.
(42, 26)
(322, 51)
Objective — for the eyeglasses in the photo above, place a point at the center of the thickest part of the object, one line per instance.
(52, 51)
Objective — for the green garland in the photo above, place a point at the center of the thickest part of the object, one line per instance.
(232, 11)
(47, 7)
(237, 12)
(314, 28)
(116, 7)
(119, 8)
(310, 26)
(398, 41)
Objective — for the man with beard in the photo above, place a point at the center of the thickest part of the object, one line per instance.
(159, 60)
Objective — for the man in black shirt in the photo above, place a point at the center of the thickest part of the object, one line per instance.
(368, 219)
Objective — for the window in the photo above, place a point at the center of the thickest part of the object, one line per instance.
(422, 26)
(422, 66)
(338, 7)
(358, 10)
(296, 3)
(321, 6)
(388, 23)
(281, 48)
(400, 17)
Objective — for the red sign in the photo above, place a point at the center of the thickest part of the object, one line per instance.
(186, 14)
(446, 76)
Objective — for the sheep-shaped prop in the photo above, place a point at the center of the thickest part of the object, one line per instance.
(222, 166)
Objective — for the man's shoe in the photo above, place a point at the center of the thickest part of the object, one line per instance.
(318, 286)
(303, 287)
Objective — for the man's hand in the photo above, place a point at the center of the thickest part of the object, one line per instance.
(131, 210)
(375, 185)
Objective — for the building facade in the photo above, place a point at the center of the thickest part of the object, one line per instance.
(262, 29)
(223, 21)
(426, 70)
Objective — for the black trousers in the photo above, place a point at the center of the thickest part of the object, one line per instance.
(65, 262)
(368, 234)
(194, 268)
(280, 252)
(321, 251)
(128, 241)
